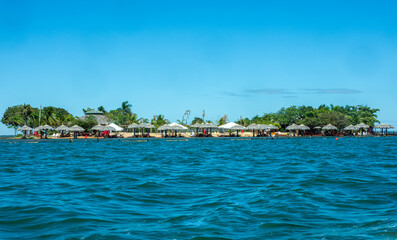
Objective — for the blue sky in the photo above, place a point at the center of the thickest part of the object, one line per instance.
(239, 58)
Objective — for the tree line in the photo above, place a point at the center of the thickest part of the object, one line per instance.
(339, 116)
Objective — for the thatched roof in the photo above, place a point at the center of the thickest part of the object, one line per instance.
(303, 127)
(76, 128)
(292, 127)
(238, 127)
(350, 128)
(272, 127)
(253, 126)
(43, 128)
(98, 116)
(208, 125)
(168, 127)
(93, 112)
(330, 127)
(362, 125)
(146, 125)
(384, 126)
(24, 128)
(196, 125)
(62, 128)
(134, 125)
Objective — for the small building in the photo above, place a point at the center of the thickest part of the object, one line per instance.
(98, 115)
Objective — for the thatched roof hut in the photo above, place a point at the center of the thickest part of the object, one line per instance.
(98, 115)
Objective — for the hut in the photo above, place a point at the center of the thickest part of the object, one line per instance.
(24, 130)
(98, 116)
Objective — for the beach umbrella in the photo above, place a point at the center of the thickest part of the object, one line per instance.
(169, 127)
(362, 125)
(133, 126)
(350, 128)
(208, 126)
(384, 126)
(232, 126)
(253, 127)
(272, 127)
(177, 127)
(304, 128)
(292, 127)
(75, 129)
(196, 126)
(44, 129)
(329, 127)
(62, 129)
(238, 128)
(318, 127)
(24, 129)
(116, 127)
(101, 128)
(146, 126)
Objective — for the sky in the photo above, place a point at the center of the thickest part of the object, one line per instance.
(240, 58)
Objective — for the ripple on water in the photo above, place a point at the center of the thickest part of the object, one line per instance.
(314, 188)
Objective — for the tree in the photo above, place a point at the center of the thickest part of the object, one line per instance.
(197, 120)
(222, 120)
(244, 121)
(159, 120)
(187, 115)
(102, 109)
(87, 123)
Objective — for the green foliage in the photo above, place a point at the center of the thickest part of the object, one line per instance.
(159, 120)
(17, 116)
(87, 123)
(339, 116)
(244, 122)
(197, 120)
(222, 120)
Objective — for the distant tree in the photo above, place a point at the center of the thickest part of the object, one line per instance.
(187, 115)
(222, 120)
(197, 120)
(87, 123)
(244, 121)
(102, 109)
(159, 120)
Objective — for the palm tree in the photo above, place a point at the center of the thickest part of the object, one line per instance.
(102, 109)
(187, 114)
(126, 108)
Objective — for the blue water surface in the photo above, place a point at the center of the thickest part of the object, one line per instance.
(297, 188)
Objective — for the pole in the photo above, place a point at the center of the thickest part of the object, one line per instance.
(40, 116)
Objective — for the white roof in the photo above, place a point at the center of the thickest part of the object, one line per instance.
(117, 127)
(176, 124)
(228, 125)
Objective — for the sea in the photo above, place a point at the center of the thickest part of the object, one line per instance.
(231, 188)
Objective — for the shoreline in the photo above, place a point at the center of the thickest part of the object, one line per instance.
(141, 139)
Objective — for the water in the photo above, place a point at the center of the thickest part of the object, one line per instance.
(315, 188)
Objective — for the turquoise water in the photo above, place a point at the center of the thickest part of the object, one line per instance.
(315, 188)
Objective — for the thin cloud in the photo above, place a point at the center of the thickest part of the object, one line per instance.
(331, 91)
(270, 91)
(232, 94)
